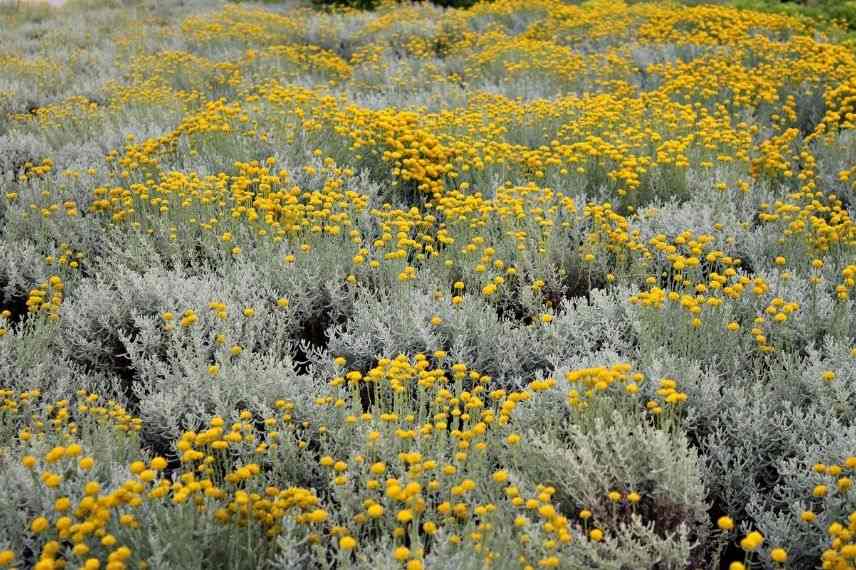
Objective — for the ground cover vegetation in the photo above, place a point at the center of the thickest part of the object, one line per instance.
(526, 285)
(843, 12)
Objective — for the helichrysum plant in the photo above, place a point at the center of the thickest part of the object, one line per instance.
(517, 285)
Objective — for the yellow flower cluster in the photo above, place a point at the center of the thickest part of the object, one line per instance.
(422, 464)
(47, 298)
(510, 158)
(833, 494)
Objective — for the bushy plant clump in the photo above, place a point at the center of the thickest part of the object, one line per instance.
(524, 285)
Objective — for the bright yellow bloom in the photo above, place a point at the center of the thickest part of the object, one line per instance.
(39, 524)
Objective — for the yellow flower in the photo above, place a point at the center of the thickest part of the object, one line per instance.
(752, 541)
(51, 480)
(55, 454)
(401, 553)
(347, 543)
(62, 504)
(779, 555)
(39, 524)
(596, 535)
(725, 523)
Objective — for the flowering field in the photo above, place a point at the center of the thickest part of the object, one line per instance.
(529, 285)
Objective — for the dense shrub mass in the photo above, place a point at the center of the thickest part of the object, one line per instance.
(526, 285)
(842, 12)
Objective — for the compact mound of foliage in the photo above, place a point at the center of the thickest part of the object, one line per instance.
(524, 285)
